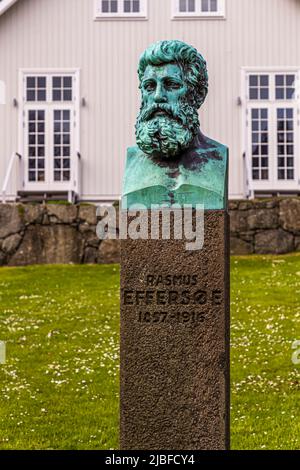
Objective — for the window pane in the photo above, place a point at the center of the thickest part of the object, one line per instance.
(136, 6)
(41, 139)
(279, 80)
(66, 139)
(127, 6)
(56, 95)
(285, 87)
(56, 82)
(182, 6)
(66, 176)
(290, 80)
(114, 6)
(264, 125)
(57, 163)
(57, 115)
(41, 95)
(68, 95)
(253, 80)
(205, 5)
(259, 87)
(68, 82)
(264, 149)
(260, 147)
(31, 116)
(264, 93)
(32, 162)
(66, 152)
(57, 176)
(290, 93)
(31, 176)
(191, 5)
(41, 163)
(62, 146)
(36, 147)
(280, 113)
(41, 82)
(253, 93)
(264, 80)
(105, 6)
(264, 114)
(32, 127)
(213, 5)
(57, 152)
(57, 127)
(30, 82)
(30, 95)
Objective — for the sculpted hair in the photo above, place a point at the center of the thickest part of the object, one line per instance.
(187, 57)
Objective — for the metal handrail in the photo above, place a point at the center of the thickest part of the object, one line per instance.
(8, 174)
(248, 180)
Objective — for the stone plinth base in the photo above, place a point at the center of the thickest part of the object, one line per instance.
(175, 342)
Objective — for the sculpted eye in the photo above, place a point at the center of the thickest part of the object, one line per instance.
(173, 85)
(150, 86)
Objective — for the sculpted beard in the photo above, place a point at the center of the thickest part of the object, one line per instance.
(168, 133)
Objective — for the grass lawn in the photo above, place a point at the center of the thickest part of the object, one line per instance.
(59, 386)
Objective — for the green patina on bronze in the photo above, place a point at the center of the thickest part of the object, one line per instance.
(173, 162)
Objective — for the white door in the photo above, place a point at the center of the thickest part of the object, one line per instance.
(49, 123)
(273, 139)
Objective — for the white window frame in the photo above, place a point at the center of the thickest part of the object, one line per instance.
(273, 184)
(198, 13)
(49, 105)
(142, 15)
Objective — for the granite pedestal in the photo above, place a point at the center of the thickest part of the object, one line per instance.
(175, 342)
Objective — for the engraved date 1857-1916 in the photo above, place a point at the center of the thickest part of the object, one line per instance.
(170, 317)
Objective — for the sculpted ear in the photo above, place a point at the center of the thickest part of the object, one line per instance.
(201, 96)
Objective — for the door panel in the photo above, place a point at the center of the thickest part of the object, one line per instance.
(49, 131)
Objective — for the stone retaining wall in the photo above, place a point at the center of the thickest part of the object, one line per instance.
(58, 233)
(52, 233)
(265, 226)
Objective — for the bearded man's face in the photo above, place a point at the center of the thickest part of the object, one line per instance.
(168, 122)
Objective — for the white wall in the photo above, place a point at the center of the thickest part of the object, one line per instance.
(63, 34)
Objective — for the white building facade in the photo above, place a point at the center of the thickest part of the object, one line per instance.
(69, 90)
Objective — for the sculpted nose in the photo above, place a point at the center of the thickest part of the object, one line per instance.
(160, 96)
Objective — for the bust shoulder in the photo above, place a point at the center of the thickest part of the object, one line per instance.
(198, 175)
